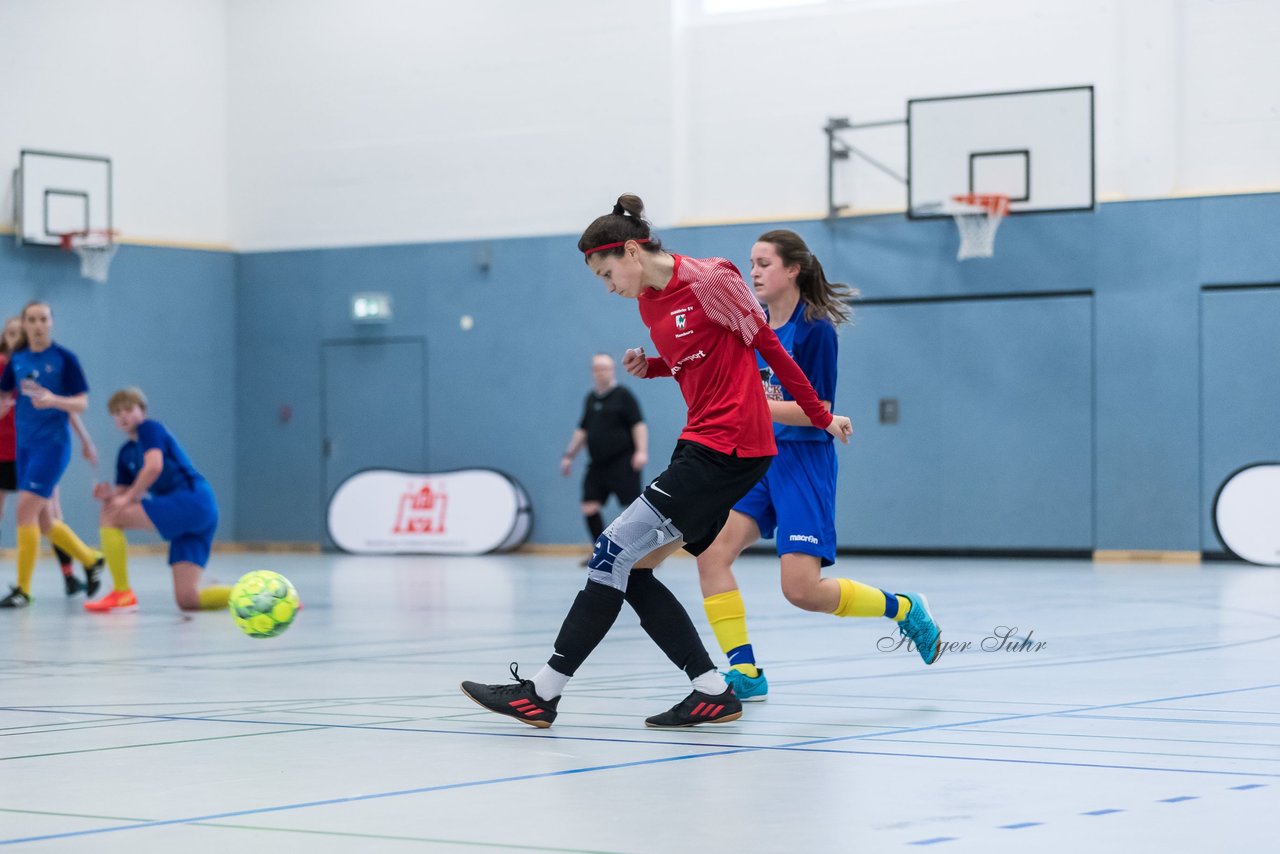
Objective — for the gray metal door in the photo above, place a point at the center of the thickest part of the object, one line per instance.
(375, 408)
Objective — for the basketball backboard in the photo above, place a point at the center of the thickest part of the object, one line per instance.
(1034, 146)
(57, 193)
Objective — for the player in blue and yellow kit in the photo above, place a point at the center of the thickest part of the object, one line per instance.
(797, 496)
(49, 386)
(157, 489)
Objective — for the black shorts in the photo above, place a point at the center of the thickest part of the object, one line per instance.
(8, 476)
(700, 487)
(615, 477)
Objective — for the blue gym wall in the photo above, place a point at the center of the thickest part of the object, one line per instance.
(164, 321)
(1076, 413)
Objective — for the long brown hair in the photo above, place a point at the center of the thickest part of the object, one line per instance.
(625, 222)
(822, 298)
(4, 342)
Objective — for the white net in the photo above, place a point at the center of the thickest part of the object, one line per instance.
(977, 218)
(96, 249)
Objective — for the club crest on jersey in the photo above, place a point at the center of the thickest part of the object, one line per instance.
(680, 321)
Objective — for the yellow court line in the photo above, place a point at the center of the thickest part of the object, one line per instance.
(1144, 556)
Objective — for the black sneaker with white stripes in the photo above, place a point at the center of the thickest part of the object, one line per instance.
(93, 576)
(699, 708)
(517, 700)
(17, 598)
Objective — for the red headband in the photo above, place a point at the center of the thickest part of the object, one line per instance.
(605, 246)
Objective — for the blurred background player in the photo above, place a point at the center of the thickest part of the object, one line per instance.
(797, 496)
(13, 339)
(181, 507)
(708, 326)
(617, 443)
(50, 387)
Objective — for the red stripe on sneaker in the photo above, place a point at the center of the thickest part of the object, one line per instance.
(698, 709)
(521, 704)
(711, 713)
(532, 712)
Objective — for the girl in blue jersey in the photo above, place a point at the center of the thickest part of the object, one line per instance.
(796, 497)
(46, 385)
(156, 489)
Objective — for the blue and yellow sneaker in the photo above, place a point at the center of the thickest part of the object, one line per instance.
(920, 628)
(750, 689)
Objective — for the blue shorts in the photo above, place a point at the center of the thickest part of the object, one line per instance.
(797, 497)
(187, 518)
(40, 468)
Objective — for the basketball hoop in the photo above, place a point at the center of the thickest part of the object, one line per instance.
(95, 247)
(977, 217)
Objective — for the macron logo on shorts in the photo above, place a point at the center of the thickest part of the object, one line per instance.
(804, 538)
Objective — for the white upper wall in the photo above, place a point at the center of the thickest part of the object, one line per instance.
(293, 123)
(394, 121)
(143, 82)
(1187, 93)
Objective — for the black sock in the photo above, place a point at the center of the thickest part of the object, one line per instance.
(595, 524)
(588, 621)
(667, 622)
(64, 559)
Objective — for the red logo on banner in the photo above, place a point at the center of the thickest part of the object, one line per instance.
(421, 511)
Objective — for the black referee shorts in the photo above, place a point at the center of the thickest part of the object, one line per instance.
(615, 477)
(700, 487)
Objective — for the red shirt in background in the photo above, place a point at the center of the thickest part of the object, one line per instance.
(8, 432)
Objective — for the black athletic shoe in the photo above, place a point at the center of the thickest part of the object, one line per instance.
(93, 577)
(699, 708)
(517, 701)
(72, 584)
(16, 599)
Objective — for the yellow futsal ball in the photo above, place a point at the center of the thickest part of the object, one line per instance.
(263, 604)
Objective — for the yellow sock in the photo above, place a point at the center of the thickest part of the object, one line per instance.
(863, 600)
(115, 548)
(28, 548)
(61, 535)
(214, 597)
(904, 608)
(728, 616)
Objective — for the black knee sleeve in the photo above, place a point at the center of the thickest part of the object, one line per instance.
(666, 621)
(589, 619)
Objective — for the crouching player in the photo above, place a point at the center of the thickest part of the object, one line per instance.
(157, 488)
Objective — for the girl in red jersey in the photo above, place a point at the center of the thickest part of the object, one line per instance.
(707, 327)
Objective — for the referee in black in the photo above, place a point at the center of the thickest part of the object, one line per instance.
(617, 443)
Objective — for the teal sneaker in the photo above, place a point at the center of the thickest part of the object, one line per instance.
(920, 628)
(749, 689)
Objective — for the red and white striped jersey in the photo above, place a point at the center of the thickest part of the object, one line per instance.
(707, 325)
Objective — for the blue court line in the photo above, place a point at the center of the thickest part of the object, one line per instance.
(1009, 761)
(1030, 715)
(793, 746)
(644, 762)
(1021, 825)
(1171, 720)
(1101, 812)
(1248, 786)
(934, 841)
(1168, 739)
(358, 798)
(1179, 799)
(1050, 748)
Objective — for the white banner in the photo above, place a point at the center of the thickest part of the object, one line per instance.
(1246, 514)
(467, 512)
